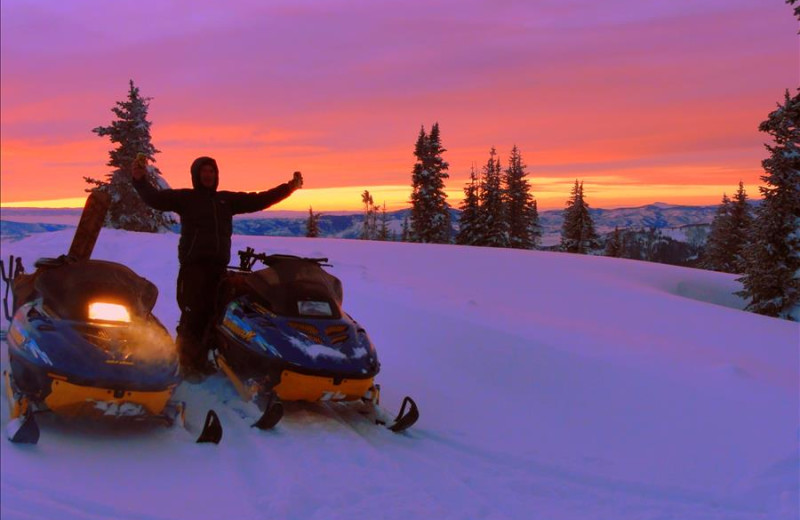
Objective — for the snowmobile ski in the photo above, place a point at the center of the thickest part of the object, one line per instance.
(212, 429)
(23, 430)
(273, 413)
(405, 419)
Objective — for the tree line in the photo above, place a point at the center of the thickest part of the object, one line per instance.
(500, 210)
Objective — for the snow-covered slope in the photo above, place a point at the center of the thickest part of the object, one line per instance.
(551, 386)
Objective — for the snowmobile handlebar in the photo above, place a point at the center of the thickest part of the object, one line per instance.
(249, 257)
(14, 269)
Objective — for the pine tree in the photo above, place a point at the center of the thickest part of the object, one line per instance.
(614, 246)
(772, 257)
(521, 212)
(368, 227)
(796, 9)
(131, 131)
(405, 236)
(469, 222)
(493, 220)
(718, 256)
(741, 222)
(430, 212)
(312, 224)
(383, 232)
(577, 231)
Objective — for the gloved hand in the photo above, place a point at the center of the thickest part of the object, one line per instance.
(139, 167)
(297, 181)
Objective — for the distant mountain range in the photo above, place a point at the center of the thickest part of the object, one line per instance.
(17, 222)
(667, 216)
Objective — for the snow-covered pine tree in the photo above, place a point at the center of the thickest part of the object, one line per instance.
(717, 255)
(521, 212)
(430, 212)
(312, 224)
(577, 231)
(493, 218)
(131, 132)
(469, 226)
(796, 9)
(772, 270)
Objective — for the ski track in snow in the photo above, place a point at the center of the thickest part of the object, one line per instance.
(550, 386)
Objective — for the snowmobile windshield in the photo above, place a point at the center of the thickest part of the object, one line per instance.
(70, 289)
(293, 288)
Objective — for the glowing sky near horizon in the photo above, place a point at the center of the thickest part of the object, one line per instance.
(644, 101)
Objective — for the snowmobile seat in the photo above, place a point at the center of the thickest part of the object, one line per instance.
(45, 262)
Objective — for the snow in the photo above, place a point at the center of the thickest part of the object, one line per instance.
(315, 350)
(551, 386)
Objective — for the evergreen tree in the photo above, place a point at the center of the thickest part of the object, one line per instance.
(741, 221)
(368, 231)
(469, 223)
(718, 256)
(312, 224)
(614, 245)
(577, 231)
(772, 257)
(796, 9)
(536, 228)
(430, 212)
(493, 219)
(405, 236)
(655, 241)
(131, 132)
(383, 232)
(521, 212)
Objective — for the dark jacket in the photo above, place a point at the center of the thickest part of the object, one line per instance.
(207, 214)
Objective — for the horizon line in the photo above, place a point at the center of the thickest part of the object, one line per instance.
(15, 206)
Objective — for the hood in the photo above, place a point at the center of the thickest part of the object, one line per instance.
(197, 165)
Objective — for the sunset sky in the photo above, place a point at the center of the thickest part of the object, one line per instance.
(646, 101)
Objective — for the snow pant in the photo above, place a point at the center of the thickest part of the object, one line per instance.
(197, 290)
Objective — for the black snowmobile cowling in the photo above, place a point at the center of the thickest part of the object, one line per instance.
(282, 334)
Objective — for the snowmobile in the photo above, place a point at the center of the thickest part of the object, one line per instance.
(83, 340)
(281, 335)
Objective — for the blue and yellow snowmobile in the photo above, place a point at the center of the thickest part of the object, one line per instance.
(83, 340)
(282, 335)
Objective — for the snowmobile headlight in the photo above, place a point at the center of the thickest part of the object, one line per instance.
(108, 312)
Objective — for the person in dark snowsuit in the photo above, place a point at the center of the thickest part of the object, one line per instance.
(204, 249)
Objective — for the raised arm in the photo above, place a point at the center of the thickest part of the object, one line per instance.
(162, 200)
(249, 202)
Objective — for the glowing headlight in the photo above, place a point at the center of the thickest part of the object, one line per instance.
(108, 312)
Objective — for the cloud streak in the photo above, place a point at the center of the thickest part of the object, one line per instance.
(661, 93)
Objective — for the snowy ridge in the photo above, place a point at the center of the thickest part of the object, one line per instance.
(348, 224)
(551, 386)
(17, 230)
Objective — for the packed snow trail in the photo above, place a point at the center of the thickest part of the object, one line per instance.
(551, 386)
